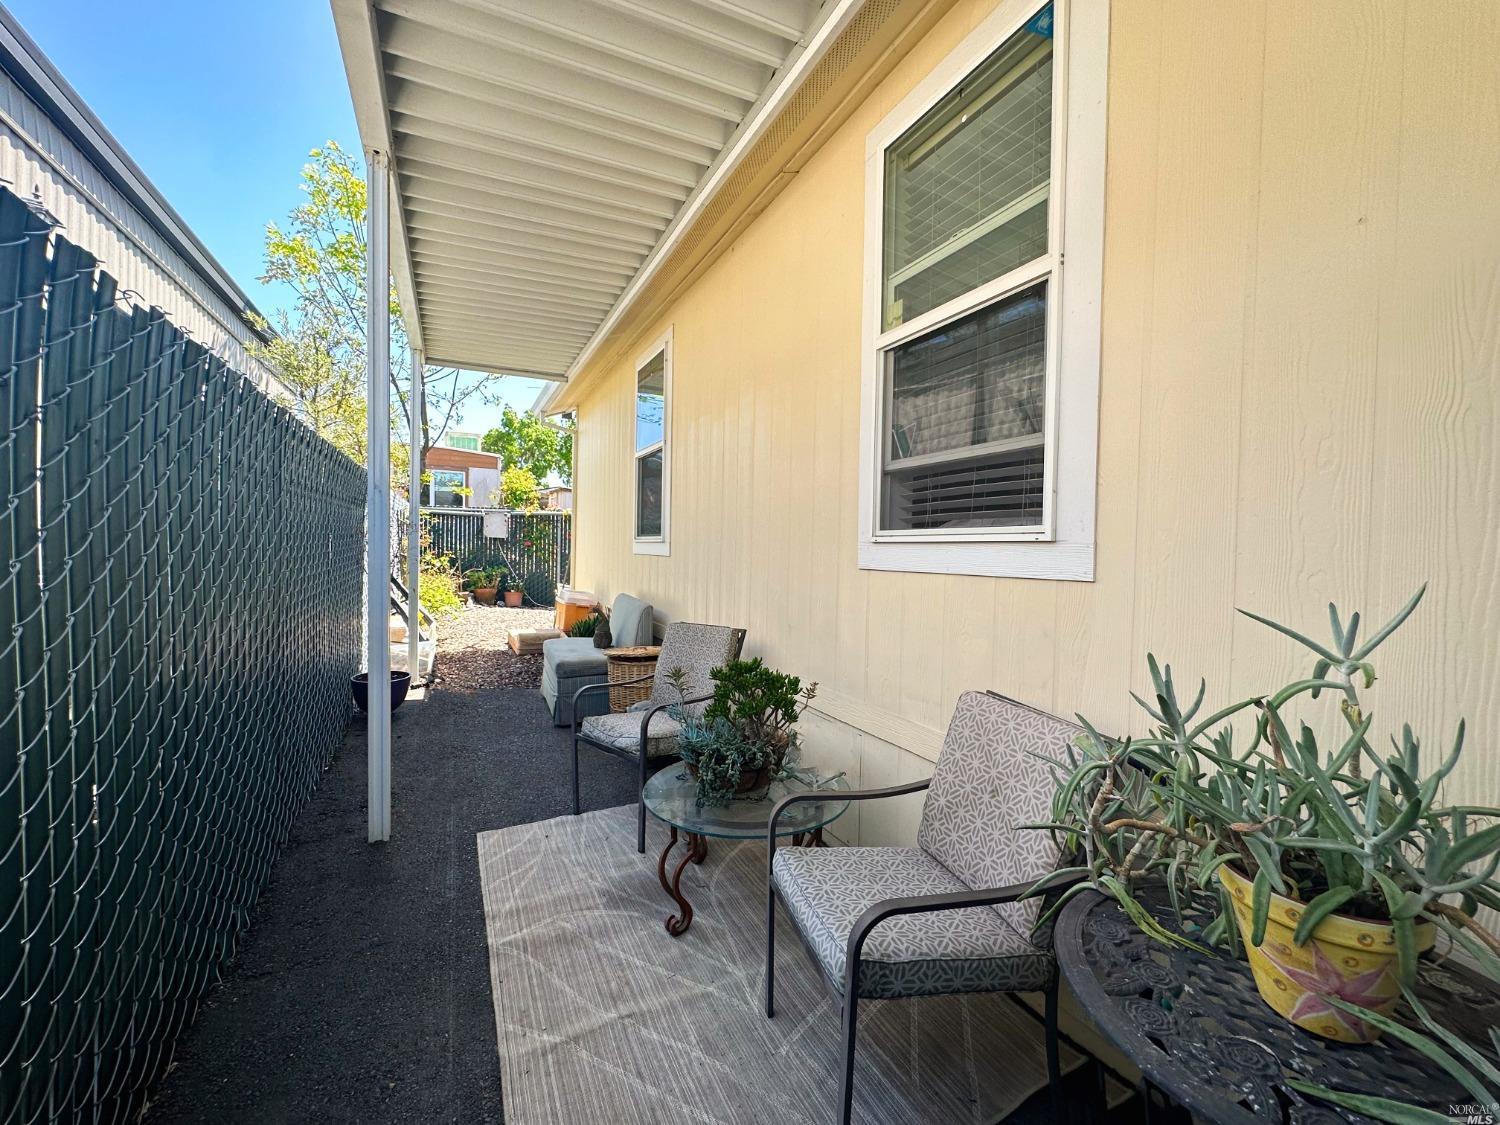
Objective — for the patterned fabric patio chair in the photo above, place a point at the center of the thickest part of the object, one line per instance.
(944, 916)
(646, 732)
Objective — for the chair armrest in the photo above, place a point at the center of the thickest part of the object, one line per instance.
(823, 795)
(647, 716)
(922, 904)
(581, 692)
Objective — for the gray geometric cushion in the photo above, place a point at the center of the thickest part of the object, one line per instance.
(986, 785)
(697, 650)
(573, 656)
(622, 731)
(970, 950)
(630, 622)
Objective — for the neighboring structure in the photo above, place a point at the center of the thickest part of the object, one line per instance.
(53, 150)
(557, 496)
(451, 470)
(460, 439)
(930, 393)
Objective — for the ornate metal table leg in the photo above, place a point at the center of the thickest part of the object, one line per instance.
(677, 924)
(700, 847)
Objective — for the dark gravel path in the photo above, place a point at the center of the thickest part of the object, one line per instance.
(361, 992)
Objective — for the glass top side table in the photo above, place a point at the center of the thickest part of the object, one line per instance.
(671, 796)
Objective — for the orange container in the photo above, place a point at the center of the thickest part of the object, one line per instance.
(569, 613)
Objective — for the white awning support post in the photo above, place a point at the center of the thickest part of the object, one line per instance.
(378, 492)
(414, 519)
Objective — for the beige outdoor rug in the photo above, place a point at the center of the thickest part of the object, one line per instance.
(603, 1018)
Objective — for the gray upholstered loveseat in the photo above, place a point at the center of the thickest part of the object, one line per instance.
(570, 663)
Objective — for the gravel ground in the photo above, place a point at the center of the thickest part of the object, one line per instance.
(473, 652)
(361, 993)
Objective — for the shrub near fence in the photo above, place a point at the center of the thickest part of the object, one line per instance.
(539, 542)
(179, 617)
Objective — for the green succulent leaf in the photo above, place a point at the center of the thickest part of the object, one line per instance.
(1260, 906)
(1381, 1109)
(1318, 909)
(1390, 626)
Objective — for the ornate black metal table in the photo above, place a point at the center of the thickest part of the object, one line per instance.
(1200, 1034)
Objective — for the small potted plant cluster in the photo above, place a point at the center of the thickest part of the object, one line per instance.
(746, 737)
(484, 583)
(1332, 861)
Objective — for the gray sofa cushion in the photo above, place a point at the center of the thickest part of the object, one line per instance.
(573, 656)
(630, 622)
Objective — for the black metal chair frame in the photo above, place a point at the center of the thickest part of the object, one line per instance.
(877, 914)
(738, 637)
(640, 752)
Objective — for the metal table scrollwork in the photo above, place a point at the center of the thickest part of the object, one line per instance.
(1200, 1033)
(672, 797)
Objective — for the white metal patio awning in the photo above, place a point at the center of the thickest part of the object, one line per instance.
(544, 153)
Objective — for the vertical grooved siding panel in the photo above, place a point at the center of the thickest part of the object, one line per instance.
(1300, 395)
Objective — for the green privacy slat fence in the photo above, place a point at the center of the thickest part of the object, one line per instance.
(537, 543)
(180, 573)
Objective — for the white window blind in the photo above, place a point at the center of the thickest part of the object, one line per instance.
(965, 223)
(966, 411)
(967, 186)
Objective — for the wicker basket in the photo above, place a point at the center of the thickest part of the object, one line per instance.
(630, 664)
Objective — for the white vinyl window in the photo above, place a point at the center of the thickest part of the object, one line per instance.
(653, 384)
(444, 488)
(972, 444)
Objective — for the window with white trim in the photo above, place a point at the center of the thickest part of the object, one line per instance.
(446, 488)
(965, 417)
(653, 381)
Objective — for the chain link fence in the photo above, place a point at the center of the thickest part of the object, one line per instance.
(536, 548)
(179, 618)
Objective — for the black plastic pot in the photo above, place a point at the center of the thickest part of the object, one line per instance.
(400, 682)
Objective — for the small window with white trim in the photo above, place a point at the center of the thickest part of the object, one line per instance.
(962, 393)
(653, 381)
(447, 488)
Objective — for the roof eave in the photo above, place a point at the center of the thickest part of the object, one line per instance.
(354, 23)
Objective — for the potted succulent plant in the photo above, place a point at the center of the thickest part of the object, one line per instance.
(1333, 862)
(747, 734)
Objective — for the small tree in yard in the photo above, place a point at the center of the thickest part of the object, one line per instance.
(524, 441)
(320, 253)
(518, 489)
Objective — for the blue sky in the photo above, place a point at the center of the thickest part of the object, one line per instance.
(231, 96)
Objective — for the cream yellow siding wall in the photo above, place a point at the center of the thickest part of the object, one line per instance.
(1300, 389)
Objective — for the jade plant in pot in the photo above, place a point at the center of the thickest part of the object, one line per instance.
(1332, 860)
(746, 736)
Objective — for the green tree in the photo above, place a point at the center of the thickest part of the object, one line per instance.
(525, 441)
(519, 489)
(320, 253)
(328, 390)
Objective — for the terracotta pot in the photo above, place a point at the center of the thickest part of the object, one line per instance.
(486, 595)
(513, 599)
(1351, 958)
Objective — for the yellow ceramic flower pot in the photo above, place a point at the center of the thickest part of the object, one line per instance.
(1350, 958)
